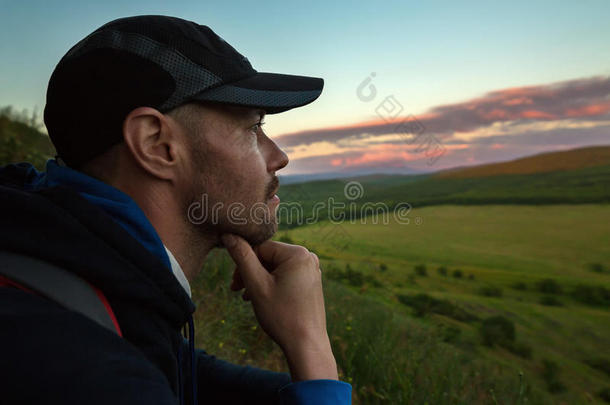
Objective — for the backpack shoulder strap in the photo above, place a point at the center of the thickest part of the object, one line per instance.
(59, 285)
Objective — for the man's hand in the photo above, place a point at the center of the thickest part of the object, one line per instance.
(284, 284)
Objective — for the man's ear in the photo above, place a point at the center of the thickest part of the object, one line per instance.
(151, 141)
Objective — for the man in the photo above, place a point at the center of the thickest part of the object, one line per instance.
(157, 124)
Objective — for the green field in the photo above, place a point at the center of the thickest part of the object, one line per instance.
(517, 241)
(499, 245)
(391, 354)
(577, 186)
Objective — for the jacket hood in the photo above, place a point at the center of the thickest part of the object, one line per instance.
(56, 223)
(99, 233)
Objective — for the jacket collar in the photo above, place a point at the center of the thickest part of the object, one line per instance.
(121, 207)
(65, 225)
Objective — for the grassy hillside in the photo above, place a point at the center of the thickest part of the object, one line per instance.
(545, 162)
(572, 186)
(409, 306)
(525, 263)
(21, 140)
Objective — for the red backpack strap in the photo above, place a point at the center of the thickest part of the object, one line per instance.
(106, 304)
(57, 284)
(7, 282)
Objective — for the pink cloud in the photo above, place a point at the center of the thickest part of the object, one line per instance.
(537, 115)
(495, 114)
(518, 101)
(582, 98)
(589, 110)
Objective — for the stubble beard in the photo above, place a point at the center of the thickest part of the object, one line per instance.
(219, 223)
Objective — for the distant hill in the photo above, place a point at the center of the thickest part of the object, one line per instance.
(349, 173)
(572, 159)
(572, 177)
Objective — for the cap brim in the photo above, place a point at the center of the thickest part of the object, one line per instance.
(273, 92)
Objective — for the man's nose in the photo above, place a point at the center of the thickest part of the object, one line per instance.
(278, 159)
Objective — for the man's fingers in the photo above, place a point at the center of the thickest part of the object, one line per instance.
(237, 283)
(251, 272)
(275, 253)
(316, 259)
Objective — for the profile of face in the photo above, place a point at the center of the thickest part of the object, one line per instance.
(231, 185)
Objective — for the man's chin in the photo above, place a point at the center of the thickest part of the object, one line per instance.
(254, 234)
(265, 233)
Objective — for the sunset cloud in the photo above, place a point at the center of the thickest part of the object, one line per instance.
(575, 109)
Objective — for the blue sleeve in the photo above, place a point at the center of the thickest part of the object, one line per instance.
(318, 392)
(223, 382)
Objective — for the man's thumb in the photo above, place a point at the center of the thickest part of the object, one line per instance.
(250, 268)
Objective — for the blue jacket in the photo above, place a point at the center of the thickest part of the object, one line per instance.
(55, 356)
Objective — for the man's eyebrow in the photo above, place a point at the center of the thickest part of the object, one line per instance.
(252, 114)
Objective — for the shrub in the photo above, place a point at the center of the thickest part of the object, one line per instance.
(333, 274)
(497, 330)
(423, 304)
(548, 286)
(442, 271)
(519, 285)
(600, 364)
(420, 270)
(556, 386)
(550, 374)
(596, 267)
(457, 273)
(451, 334)
(353, 277)
(369, 278)
(591, 295)
(383, 267)
(521, 349)
(490, 291)
(471, 277)
(550, 300)
(604, 394)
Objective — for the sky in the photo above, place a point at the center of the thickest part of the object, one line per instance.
(408, 86)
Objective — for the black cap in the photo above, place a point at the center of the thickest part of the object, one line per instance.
(155, 61)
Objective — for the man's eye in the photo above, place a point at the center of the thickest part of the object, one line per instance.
(257, 126)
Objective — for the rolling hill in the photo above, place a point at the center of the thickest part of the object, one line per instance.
(572, 159)
(579, 176)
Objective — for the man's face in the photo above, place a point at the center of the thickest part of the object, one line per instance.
(232, 181)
